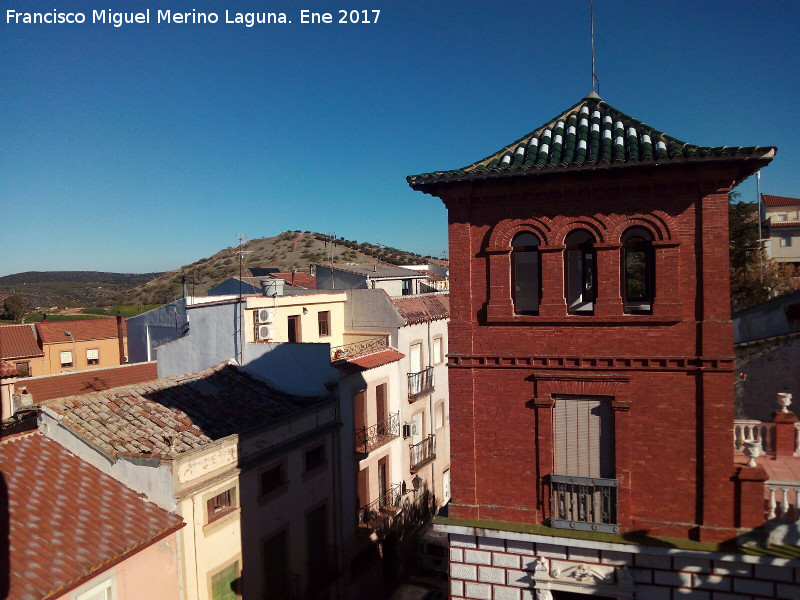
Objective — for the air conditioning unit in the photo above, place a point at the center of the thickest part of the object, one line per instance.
(265, 315)
(409, 430)
(265, 332)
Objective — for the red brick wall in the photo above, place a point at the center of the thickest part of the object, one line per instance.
(675, 402)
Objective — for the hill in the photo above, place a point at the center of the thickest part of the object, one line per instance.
(286, 251)
(70, 288)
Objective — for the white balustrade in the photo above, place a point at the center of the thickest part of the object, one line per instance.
(747, 429)
(784, 501)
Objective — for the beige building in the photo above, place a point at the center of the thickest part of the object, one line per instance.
(19, 346)
(251, 470)
(782, 216)
(82, 344)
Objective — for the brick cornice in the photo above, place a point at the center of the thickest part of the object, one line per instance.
(593, 363)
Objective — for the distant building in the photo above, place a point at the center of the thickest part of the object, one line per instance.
(274, 283)
(251, 469)
(20, 347)
(75, 533)
(782, 215)
(82, 344)
(395, 281)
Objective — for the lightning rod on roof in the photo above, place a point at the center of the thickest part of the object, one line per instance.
(595, 81)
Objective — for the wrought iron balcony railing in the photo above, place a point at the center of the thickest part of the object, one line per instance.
(420, 383)
(423, 452)
(379, 509)
(583, 503)
(359, 347)
(374, 436)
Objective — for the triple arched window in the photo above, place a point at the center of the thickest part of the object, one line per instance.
(637, 266)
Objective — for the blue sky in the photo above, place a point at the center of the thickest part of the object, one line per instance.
(149, 146)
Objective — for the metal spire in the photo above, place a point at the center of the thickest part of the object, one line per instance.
(595, 81)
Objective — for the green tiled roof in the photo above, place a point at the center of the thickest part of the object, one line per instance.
(590, 135)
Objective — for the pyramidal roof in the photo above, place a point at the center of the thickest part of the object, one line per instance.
(590, 135)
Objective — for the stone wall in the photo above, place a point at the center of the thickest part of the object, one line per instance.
(516, 566)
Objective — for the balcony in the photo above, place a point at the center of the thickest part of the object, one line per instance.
(420, 383)
(375, 436)
(422, 452)
(359, 347)
(381, 509)
(583, 503)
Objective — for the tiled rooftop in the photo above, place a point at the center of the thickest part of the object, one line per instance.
(303, 280)
(372, 360)
(779, 200)
(18, 341)
(82, 330)
(67, 519)
(376, 271)
(423, 308)
(785, 224)
(167, 417)
(590, 135)
(47, 387)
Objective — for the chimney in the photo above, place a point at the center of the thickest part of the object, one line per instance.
(293, 272)
(120, 337)
(375, 268)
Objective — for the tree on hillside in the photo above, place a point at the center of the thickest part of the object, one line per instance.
(14, 307)
(748, 286)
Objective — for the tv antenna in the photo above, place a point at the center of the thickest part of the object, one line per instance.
(241, 237)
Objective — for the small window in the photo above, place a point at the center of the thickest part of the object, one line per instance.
(526, 277)
(440, 416)
(438, 357)
(315, 457)
(221, 504)
(324, 318)
(781, 217)
(92, 356)
(786, 241)
(407, 287)
(579, 271)
(637, 270)
(225, 584)
(23, 368)
(101, 591)
(273, 478)
(66, 359)
(293, 333)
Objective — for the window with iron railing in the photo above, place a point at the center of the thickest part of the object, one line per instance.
(422, 452)
(420, 383)
(375, 436)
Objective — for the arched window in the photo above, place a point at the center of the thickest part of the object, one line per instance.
(637, 270)
(579, 270)
(526, 280)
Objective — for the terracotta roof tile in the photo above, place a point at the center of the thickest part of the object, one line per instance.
(372, 360)
(18, 341)
(169, 416)
(303, 280)
(785, 224)
(67, 519)
(423, 308)
(590, 135)
(82, 330)
(7, 369)
(47, 387)
(779, 200)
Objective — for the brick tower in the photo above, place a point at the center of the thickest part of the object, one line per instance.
(591, 356)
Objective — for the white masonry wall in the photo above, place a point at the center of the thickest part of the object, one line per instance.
(496, 565)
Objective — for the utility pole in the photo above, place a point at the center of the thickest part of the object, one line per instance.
(760, 240)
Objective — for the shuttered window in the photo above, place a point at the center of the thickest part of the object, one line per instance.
(583, 437)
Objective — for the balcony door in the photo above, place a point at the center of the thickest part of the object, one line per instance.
(415, 358)
(583, 437)
(380, 403)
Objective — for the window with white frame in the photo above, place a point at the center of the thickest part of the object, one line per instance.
(92, 356)
(440, 415)
(780, 217)
(101, 591)
(437, 350)
(66, 359)
(786, 241)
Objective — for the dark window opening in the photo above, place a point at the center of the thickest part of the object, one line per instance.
(637, 270)
(407, 287)
(526, 276)
(220, 504)
(293, 334)
(276, 567)
(272, 479)
(579, 271)
(315, 457)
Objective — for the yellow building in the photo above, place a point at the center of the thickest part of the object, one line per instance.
(313, 317)
(84, 344)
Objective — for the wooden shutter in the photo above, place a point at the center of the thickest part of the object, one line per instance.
(583, 437)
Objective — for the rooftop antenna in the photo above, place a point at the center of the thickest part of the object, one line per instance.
(241, 237)
(595, 81)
